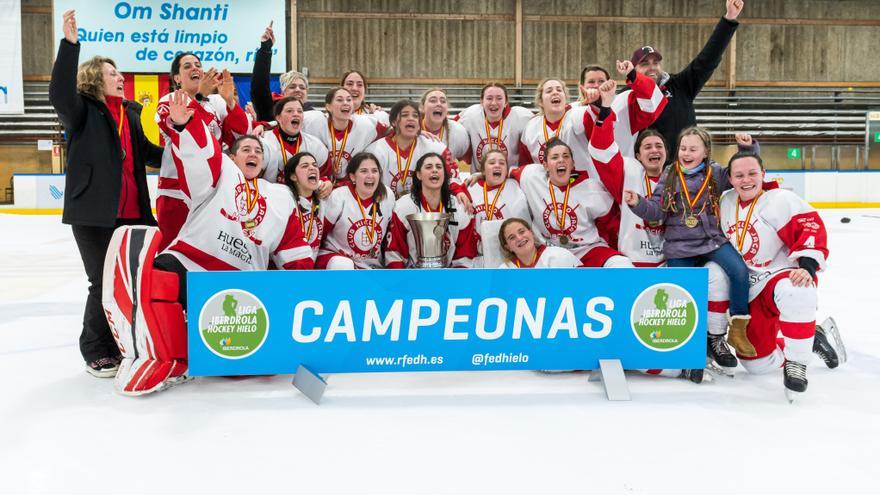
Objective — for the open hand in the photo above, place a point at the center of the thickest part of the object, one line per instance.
(465, 202)
(800, 278)
(226, 88)
(325, 187)
(210, 81)
(69, 26)
(178, 108)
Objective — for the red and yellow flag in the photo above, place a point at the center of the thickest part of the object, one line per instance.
(146, 89)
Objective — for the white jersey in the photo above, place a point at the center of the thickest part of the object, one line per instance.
(278, 149)
(504, 134)
(456, 139)
(380, 118)
(539, 130)
(234, 224)
(588, 219)
(212, 111)
(394, 165)
(548, 257)
(344, 144)
(505, 201)
(782, 228)
(639, 240)
(460, 237)
(354, 233)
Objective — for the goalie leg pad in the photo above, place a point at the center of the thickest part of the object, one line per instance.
(142, 309)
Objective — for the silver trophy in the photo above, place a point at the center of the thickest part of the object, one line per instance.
(428, 230)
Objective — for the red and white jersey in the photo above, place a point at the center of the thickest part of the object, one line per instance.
(311, 222)
(639, 240)
(548, 257)
(396, 162)
(504, 134)
(380, 118)
(635, 108)
(278, 148)
(539, 130)
(588, 219)
(344, 144)
(354, 232)
(505, 201)
(214, 113)
(234, 224)
(782, 228)
(460, 237)
(456, 139)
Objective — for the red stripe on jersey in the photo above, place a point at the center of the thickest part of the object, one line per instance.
(201, 258)
(718, 306)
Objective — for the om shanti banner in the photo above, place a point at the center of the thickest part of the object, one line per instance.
(444, 320)
(11, 86)
(145, 35)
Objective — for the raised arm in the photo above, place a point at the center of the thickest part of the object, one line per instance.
(695, 75)
(261, 95)
(62, 87)
(603, 150)
(645, 102)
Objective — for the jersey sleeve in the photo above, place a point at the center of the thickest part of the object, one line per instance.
(465, 244)
(645, 103)
(525, 156)
(293, 252)
(651, 209)
(396, 246)
(606, 157)
(606, 213)
(799, 227)
(197, 158)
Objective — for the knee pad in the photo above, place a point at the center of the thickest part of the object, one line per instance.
(795, 304)
(618, 261)
(340, 263)
(719, 299)
(145, 318)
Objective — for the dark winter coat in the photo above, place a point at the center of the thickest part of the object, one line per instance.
(261, 96)
(681, 89)
(94, 160)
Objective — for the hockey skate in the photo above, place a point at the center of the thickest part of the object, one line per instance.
(795, 379)
(718, 353)
(696, 375)
(832, 351)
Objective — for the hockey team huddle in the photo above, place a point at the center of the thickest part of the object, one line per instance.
(614, 180)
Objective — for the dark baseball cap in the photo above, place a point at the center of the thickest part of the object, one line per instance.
(643, 52)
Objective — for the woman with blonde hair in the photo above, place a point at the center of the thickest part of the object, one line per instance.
(434, 107)
(553, 120)
(106, 183)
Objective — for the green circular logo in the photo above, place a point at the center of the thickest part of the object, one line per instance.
(664, 317)
(233, 324)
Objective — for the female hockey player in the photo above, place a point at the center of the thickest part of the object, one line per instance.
(521, 251)
(302, 176)
(287, 139)
(434, 108)
(494, 124)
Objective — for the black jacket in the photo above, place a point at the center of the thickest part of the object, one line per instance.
(261, 95)
(681, 89)
(94, 163)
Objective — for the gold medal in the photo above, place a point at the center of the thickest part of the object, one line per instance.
(563, 240)
(249, 224)
(691, 221)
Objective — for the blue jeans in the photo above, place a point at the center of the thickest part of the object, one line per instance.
(733, 265)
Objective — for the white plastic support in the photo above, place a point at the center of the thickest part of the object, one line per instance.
(611, 374)
(310, 384)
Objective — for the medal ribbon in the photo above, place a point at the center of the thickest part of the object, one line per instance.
(490, 210)
(296, 150)
(371, 225)
(251, 195)
(489, 133)
(648, 186)
(556, 132)
(703, 187)
(405, 175)
(428, 207)
(439, 134)
(560, 216)
(534, 260)
(302, 222)
(337, 157)
(741, 235)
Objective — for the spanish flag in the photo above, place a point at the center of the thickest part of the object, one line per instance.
(146, 89)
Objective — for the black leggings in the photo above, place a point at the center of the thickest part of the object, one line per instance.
(169, 263)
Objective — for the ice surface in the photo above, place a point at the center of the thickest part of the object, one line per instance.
(65, 432)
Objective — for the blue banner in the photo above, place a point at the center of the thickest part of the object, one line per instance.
(251, 323)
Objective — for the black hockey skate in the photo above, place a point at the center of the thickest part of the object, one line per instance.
(718, 350)
(823, 348)
(695, 376)
(795, 379)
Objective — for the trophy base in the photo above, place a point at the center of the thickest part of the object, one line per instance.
(433, 262)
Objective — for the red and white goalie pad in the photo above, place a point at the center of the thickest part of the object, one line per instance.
(145, 317)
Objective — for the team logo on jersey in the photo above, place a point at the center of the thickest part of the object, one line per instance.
(541, 150)
(358, 237)
(407, 184)
(233, 324)
(752, 243)
(313, 240)
(496, 214)
(251, 218)
(664, 317)
(552, 224)
(493, 144)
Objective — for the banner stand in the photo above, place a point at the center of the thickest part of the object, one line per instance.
(310, 384)
(611, 374)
